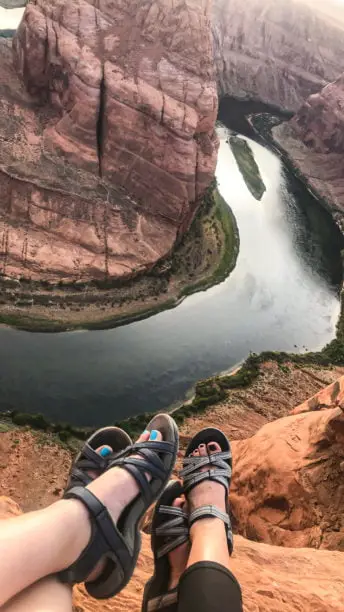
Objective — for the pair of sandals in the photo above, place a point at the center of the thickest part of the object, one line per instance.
(151, 464)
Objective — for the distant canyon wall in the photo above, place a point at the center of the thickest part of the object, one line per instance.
(279, 52)
(320, 120)
(314, 141)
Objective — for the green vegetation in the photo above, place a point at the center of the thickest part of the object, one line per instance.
(247, 166)
(230, 247)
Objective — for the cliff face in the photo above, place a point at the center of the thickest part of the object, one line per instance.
(320, 120)
(279, 52)
(134, 85)
(314, 141)
(120, 96)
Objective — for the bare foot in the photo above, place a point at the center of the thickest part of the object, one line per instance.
(208, 492)
(178, 558)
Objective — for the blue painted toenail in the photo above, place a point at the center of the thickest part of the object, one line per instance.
(154, 435)
(105, 452)
(146, 432)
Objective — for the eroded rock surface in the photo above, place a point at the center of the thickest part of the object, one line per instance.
(314, 141)
(288, 486)
(127, 99)
(320, 120)
(279, 52)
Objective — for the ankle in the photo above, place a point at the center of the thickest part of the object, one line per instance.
(174, 580)
(75, 519)
(207, 529)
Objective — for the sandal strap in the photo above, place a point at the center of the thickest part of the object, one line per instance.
(141, 459)
(175, 530)
(213, 512)
(89, 460)
(163, 601)
(105, 538)
(221, 472)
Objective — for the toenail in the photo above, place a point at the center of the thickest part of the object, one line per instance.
(105, 452)
(213, 446)
(146, 432)
(154, 435)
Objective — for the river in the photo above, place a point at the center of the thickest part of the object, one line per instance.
(282, 295)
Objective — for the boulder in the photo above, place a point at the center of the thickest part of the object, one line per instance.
(288, 485)
(331, 396)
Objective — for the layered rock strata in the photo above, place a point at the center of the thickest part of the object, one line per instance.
(123, 145)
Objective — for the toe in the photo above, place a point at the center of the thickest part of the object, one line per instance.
(213, 447)
(150, 435)
(202, 450)
(104, 450)
(144, 436)
(155, 436)
(195, 453)
(178, 502)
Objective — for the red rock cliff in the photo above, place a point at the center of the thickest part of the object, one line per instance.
(320, 121)
(314, 141)
(133, 82)
(107, 136)
(279, 52)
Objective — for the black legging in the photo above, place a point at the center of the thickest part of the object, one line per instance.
(207, 587)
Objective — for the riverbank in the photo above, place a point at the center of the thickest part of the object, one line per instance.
(309, 167)
(266, 387)
(205, 256)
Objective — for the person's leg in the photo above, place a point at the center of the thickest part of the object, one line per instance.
(201, 574)
(208, 536)
(47, 595)
(45, 542)
(208, 585)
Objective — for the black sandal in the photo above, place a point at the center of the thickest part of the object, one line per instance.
(170, 530)
(120, 544)
(221, 472)
(89, 460)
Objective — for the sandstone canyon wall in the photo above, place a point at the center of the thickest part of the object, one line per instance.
(118, 95)
(314, 141)
(134, 84)
(320, 120)
(278, 52)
